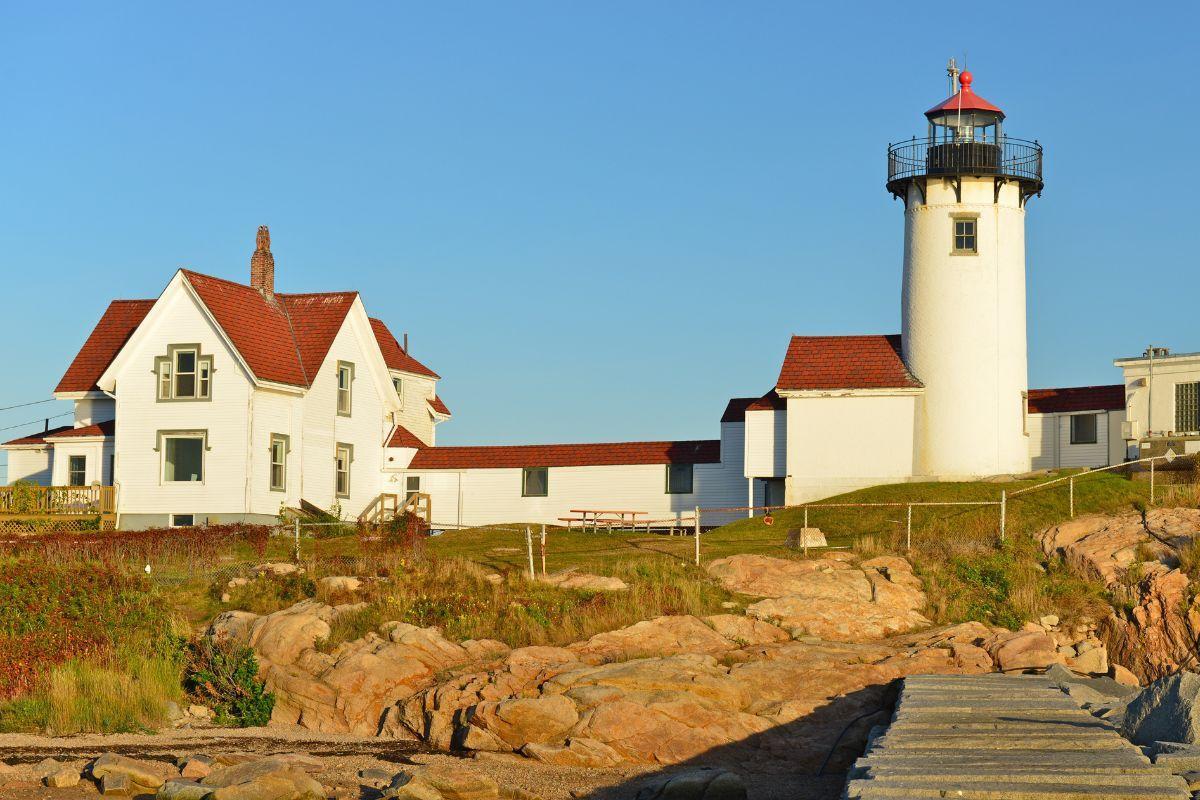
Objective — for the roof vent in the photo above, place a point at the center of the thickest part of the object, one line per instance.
(262, 264)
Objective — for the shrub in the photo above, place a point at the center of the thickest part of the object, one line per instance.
(266, 593)
(224, 676)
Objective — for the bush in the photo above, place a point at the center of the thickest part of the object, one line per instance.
(224, 676)
(266, 593)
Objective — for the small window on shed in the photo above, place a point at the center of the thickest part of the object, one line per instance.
(1083, 429)
(535, 482)
(965, 239)
(679, 478)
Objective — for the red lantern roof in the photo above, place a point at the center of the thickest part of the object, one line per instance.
(963, 100)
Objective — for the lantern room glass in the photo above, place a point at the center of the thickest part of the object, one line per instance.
(952, 126)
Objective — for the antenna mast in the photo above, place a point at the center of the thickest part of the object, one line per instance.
(952, 72)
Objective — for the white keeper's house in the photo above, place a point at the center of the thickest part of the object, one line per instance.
(222, 401)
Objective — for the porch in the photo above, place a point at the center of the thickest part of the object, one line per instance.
(43, 507)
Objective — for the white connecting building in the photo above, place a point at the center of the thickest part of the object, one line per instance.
(219, 401)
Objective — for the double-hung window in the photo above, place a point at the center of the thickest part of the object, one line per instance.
(342, 457)
(183, 456)
(679, 478)
(77, 471)
(184, 374)
(1187, 407)
(279, 451)
(345, 383)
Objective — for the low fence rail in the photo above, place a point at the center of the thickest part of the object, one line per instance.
(24, 500)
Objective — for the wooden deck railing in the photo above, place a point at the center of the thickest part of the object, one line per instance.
(388, 506)
(57, 501)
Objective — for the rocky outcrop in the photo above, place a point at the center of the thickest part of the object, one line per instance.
(828, 597)
(1157, 630)
(348, 689)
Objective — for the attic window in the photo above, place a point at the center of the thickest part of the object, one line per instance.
(184, 373)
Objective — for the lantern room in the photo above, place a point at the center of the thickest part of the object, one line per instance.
(965, 117)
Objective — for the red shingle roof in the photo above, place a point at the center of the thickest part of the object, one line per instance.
(440, 407)
(568, 455)
(1077, 398)
(38, 438)
(99, 429)
(120, 320)
(394, 355)
(283, 341)
(738, 406)
(403, 437)
(845, 362)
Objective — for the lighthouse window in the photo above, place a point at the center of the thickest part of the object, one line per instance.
(965, 241)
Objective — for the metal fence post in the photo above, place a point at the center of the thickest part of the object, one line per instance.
(543, 549)
(297, 540)
(908, 534)
(529, 550)
(1071, 483)
(806, 516)
(697, 536)
(1152, 481)
(1003, 512)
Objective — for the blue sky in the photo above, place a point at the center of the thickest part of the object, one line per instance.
(596, 221)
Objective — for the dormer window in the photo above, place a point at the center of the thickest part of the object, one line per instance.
(184, 373)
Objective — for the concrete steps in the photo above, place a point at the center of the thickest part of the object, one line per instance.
(993, 737)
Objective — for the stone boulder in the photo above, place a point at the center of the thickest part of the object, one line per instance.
(142, 775)
(828, 597)
(1168, 710)
(266, 778)
(449, 782)
(584, 581)
(575, 752)
(656, 637)
(1018, 651)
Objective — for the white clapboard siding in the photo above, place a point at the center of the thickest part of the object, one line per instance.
(1083, 455)
(96, 460)
(365, 428)
(177, 319)
(766, 443)
(1043, 440)
(414, 414)
(491, 496)
(275, 413)
(32, 464)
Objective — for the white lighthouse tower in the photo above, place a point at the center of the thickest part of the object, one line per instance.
(965, 188)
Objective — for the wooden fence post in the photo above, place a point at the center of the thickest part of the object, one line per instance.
(529, 550)
(1003, 512)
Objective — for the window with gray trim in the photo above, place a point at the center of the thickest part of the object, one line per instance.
(184, 373)
(343, 456)
(345, 386)
(182, 455)
(1083, 428)
(679, 478)
(535, 482)
(279, 452)
(1187, 407)
(76, 470)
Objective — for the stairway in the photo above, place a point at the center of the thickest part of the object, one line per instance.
(998, 737)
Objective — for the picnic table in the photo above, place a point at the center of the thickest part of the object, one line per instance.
(598, 518)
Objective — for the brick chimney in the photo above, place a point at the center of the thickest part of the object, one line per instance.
(262, 264)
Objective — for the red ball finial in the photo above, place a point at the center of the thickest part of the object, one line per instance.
(964, 80)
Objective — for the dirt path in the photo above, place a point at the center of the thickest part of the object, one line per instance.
(344, 756)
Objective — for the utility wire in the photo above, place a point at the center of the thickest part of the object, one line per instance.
(36, 421)
(34, 403)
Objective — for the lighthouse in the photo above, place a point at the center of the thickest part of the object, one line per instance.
(965, 187)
